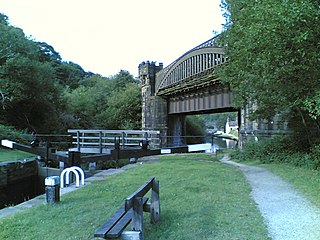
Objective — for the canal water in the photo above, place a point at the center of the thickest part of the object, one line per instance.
(19, 192)
(19, 181)
(222, 143)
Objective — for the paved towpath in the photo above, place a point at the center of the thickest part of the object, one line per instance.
(288, 215)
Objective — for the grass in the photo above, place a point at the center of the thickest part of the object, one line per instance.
(307, 181)
(304, 179)
(12, 155)
(200, 199)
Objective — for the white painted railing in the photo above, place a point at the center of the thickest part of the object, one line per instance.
(104, 139)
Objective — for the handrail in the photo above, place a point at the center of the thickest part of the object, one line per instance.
(100, 139)
(112, 131)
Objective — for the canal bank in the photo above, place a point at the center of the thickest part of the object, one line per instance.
(23, 180)
(41, 199)
(19, 181)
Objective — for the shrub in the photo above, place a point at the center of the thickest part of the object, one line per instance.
(315, 155)
(279, 150)
(7, 132)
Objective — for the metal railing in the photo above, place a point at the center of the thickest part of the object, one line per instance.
(102, 140)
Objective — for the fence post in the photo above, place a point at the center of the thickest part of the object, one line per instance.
(78, 140)
(100, 142)
(123, 140)
(117, 149)
(74, 158)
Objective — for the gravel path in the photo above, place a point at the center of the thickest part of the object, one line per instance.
(288, 215)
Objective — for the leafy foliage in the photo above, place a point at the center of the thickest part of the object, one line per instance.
(7, 132)
(279, 150)
(41, 93)
(113, 103)
(274, 50)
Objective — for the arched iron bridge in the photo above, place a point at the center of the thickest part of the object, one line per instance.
(194, 69)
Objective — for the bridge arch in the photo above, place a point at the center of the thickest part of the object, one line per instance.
(188, 65)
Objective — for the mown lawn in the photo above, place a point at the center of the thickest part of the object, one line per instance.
(200, 199)
(12, 155)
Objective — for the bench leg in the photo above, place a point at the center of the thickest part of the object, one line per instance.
(137, 216)
(155, 203)
(131, 235)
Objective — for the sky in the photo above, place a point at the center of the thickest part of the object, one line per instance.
(106, 36)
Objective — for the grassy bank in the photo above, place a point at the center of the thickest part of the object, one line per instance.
(283, 157)
(200, 199)
(307, 181)
(11, 155)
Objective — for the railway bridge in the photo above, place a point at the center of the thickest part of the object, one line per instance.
(190, 86)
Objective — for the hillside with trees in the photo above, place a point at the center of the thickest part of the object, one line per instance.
(39, 92)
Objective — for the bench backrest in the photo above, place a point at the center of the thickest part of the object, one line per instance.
(140, 192)
(132, 211)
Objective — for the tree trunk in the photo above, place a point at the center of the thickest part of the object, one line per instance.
(305, 126)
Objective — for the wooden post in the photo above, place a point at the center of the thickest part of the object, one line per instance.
(74, 158)
(137, 216)
(78, 140)
(100, 142)
(123, 138)
(117, 150)
(155, 203)
(131, 235)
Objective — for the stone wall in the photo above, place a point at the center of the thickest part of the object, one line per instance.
(154, 108)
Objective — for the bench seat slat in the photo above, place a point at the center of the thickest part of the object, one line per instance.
(117, 229)
(115, 225)
(102, 231)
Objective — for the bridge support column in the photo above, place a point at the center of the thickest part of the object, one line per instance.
(177, 126)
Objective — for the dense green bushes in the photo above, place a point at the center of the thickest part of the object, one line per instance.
(7, 132)
(279, 150)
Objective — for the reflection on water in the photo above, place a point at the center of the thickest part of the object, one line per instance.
(221, 143)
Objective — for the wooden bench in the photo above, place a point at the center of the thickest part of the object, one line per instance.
(132, 211)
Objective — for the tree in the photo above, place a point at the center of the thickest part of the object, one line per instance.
(70, 74)
(195, 129)
(34, 94)
(110, 103)
(39, 92)
(124, 109)
(274, 54)
(48, 54)
(29, 90)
